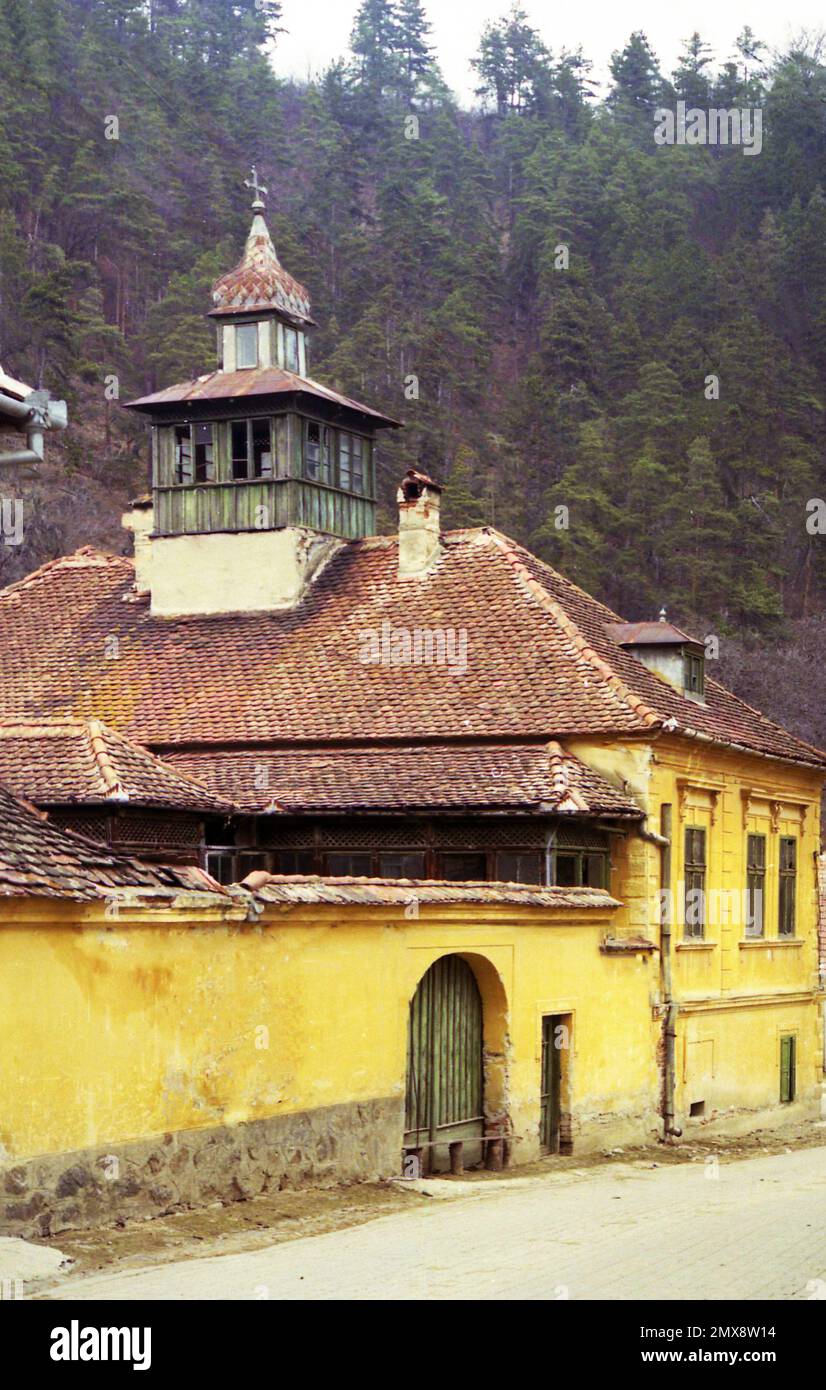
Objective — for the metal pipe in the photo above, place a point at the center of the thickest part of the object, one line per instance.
(35, 414)
(670, 1130)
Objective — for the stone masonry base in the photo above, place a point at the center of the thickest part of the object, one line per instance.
(151, 1177)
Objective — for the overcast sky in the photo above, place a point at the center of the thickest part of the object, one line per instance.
(319, 29)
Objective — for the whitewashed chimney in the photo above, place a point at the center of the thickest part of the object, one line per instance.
(419, 500)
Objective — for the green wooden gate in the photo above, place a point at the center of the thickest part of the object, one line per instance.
(444, 1099)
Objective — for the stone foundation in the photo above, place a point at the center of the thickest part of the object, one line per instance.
(152, 1177)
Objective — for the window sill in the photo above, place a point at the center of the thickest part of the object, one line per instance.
(769, 942)
(696, 945)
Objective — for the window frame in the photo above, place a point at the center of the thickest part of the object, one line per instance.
(249, 422)
(693, 664)
(787, 888)
(695, 876)
(188, 431)
(755, 872)
(248, 329)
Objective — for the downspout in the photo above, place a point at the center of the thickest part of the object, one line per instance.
(35, 414)
(669, 1005)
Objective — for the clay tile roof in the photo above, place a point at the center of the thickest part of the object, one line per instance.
(259, 281)
(527, 777)
(651, 634)
(538, 663)
(401, 892)
(65, 761)
(39, 860)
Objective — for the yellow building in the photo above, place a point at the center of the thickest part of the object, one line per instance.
(466, 868)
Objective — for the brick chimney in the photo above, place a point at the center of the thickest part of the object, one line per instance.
(419, 500)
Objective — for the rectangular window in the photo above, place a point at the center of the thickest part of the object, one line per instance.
(239, 446)
(788, 884)
(401, 864)
(518, 866)
(312, 450)
(318, 452)
(464, 867)
(755, 884)
(183, 454)
(358, 463)
(291, 360)
(695, 882)
(203, 454)
(261, 449)
(575, 868)
(349, 865)
(693, 676)
(246, 345)
(788, 1068)
(345, 460)
(293, 861)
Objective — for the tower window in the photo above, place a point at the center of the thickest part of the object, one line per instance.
(351, 462)
(251, 449)
(291, 358)
(261, 449)
(183, 454)
(318, 450)
(203, 453)
(239, 439)
(246, 345)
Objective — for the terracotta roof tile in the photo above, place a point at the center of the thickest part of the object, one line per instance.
(63, 761)
(259, 281)
(272, 888)
(523, 777)
(39, 860)
(539, 662)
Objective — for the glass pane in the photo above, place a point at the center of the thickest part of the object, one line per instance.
(518, 866)
(461, 867)
(358, 464)
(566, 870)
(345, 442)
(312, 451)
(399, 864)
(202, 449)
(347, 865)
(291, 349)
(246, 345)
(261, 449)
(183, 454)
(595, 870)
(239, 448)
(327, 442)
(293, 861)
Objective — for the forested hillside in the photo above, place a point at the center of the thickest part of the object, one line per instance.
(431, 247)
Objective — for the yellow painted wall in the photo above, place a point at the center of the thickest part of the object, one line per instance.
(736, 995)
(122, 1030)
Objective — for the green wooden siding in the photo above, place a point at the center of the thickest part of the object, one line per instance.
(228, 504)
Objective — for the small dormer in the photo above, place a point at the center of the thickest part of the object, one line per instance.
(667, 651)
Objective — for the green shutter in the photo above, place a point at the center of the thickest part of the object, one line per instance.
(787, 1069)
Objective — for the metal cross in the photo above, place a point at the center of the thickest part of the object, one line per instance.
(257, 189)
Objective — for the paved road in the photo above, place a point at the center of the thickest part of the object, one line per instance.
(751, 1228)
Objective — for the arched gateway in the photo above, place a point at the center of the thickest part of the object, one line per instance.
(444, 1102)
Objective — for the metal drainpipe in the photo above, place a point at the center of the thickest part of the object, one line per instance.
(37, 413)
(670, 1018)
